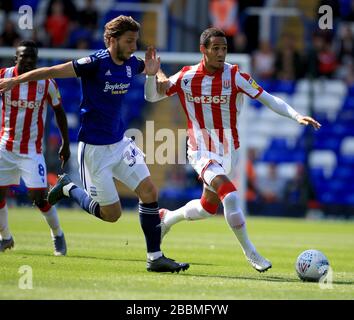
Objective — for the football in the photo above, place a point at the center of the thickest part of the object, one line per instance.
(311, 265)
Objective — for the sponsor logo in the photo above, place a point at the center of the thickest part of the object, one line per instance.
(108, 73)
(253, 84)
(304, 265)
(185, 81)
(116, 88)
(23, 103)
(84, 60)
(208, 99)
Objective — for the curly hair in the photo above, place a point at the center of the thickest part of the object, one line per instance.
(119, 25)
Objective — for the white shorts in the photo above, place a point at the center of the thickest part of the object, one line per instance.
(98, 166)
(208, 165)
(30, 167)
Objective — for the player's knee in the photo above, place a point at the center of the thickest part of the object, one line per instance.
(110, 215)
(110, 218)
(209, 204)
(39, 200)
(225, 189)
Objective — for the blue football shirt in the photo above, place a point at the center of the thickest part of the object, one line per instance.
(104, 86)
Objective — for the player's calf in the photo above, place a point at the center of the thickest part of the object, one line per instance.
(111, 213)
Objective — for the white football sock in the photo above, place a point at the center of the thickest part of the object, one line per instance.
(53, 221)
(193, 210)
(4, 229)
(236, 220)
(67, 188)
(154, 255)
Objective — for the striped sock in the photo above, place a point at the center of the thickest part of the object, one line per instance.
(150, 223)
(85, 201)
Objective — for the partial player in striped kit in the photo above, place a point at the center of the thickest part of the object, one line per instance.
(105, 154)
(211, 96)
(23, 112)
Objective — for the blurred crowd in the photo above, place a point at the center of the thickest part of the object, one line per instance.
(327, 53)
(323, 53)
(64, 25)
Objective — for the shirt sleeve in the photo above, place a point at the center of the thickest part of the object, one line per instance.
(53, 97)
(2, 72)
(86, 66)
(173, 80)
(247, 85)
(141, 65)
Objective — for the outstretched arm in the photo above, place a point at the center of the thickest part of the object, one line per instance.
(65, 70)
(281, 107)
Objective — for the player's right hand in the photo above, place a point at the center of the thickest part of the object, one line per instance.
(64, 154)
(6, 84)
(152, 62)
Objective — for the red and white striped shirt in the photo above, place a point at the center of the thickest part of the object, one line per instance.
(211, 103)
(23, 113)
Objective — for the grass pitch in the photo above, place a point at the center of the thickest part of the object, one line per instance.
(107, 261)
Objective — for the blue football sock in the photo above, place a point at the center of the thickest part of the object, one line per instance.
(150, 223)
(85, 201)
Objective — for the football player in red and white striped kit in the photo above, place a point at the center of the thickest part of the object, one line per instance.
(211, 96)
(23, 113)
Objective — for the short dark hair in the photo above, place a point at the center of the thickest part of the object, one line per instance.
(208, 33)
(119, 25)
(28, 44)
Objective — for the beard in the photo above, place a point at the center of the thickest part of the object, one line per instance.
(121, 57)
(120, 54)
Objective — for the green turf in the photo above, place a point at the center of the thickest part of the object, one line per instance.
(107, 261)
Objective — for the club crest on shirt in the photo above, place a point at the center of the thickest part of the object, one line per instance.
(129, 72)
(40, 88)
(226, 83)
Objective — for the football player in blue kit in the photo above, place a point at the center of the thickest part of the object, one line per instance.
(105, 154)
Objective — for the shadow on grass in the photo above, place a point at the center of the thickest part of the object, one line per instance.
(43, 254)
(264, 278)
(258, 277)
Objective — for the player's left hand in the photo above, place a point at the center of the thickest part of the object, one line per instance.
(152, 63)
(6, 84)
(306, 120)
(64, 154)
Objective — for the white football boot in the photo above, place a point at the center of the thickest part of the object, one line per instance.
(258, 262)
(164, 228)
